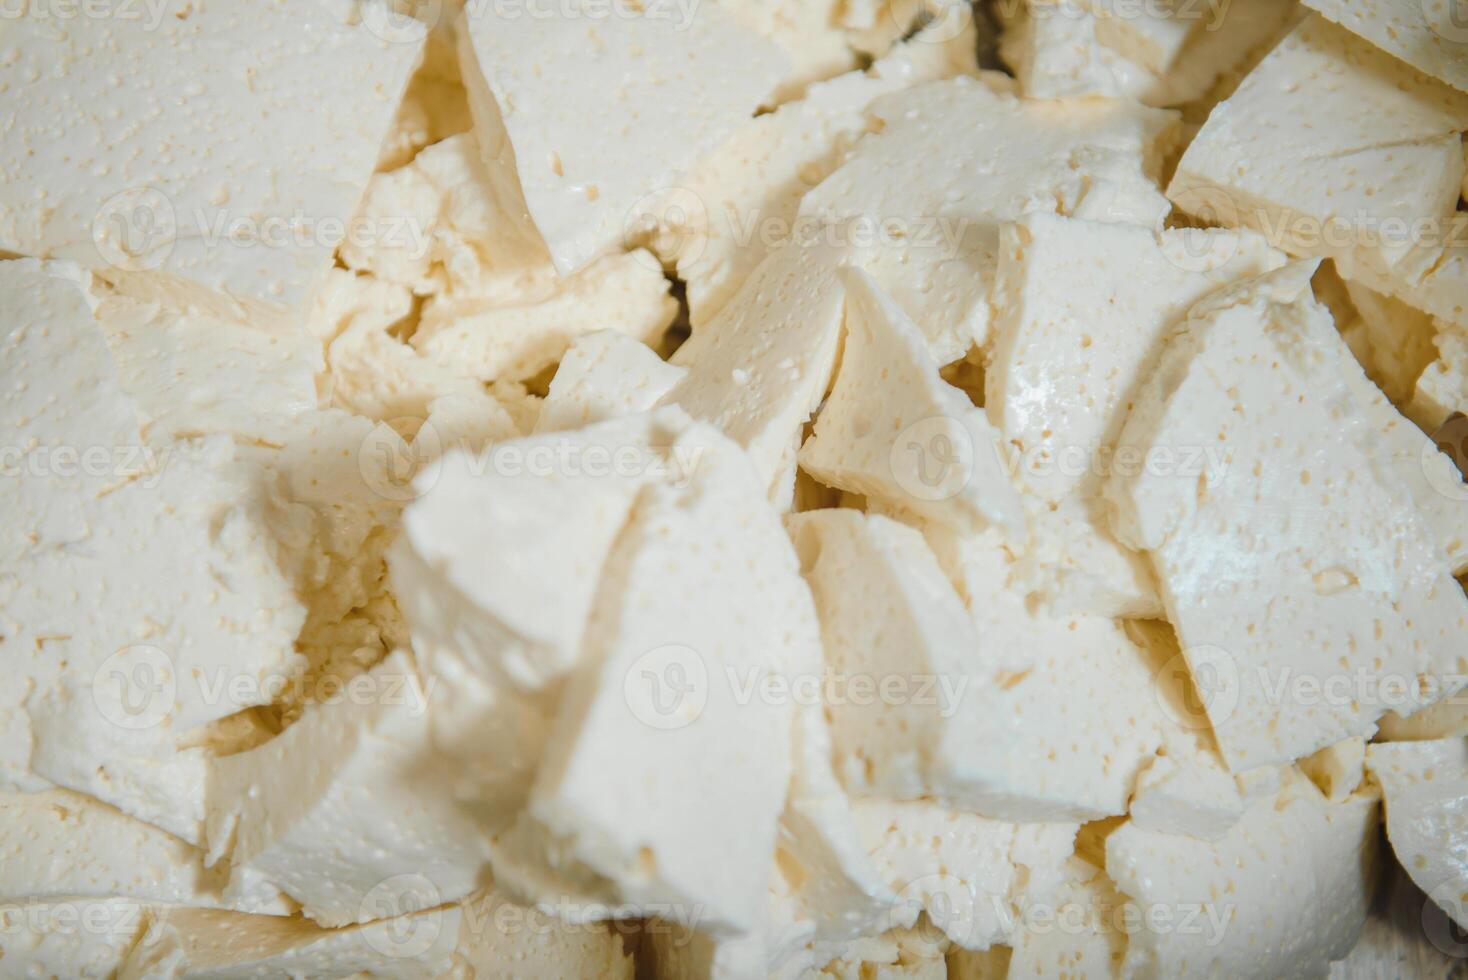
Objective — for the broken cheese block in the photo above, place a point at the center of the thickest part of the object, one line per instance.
(511, 340)
(179, 171)
(1284, 893)
(1423, 784)
(809, 34)
(59, 844)
(1153, 38)
(1079, 934)
(667, 749)
(894, 430)
(605, 375)
(1428, 36)
(508, 547)
(1442, 388)
(938, 236)
(1255, 549)
(540, 91)
(1316, 147)
(89, 939)
(761, 367)
(365, 807)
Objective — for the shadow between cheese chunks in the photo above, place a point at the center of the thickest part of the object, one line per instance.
(1300, 558)
(676, 801)
(1283, 894)
(1332, 147)
(542, 93)
(509, 545)
(1426, 36)
(894, 430)
(164, 171)
(761, 367)
(939, 234)
(350, 800)
(1423, 785)
(58, 844)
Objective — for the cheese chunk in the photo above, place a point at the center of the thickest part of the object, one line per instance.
(1073, 565)
(743, 201)
(605, 375)
(540, 91)
(1442, 388)
(1080, 934)
(1255, 552)
(1316, 147)
(59, 844)
(508, 548)
(761, 367)
(1284, 893)
(366, 801)
(1153, 38)
(1427, 36)
(938, 235)
(1066, 363)
(668, 749)
(1393, 342)
(894, 430)
(1423, 784)
(88, 939)
(517, 339)
(1055, 54)
(180, 170)
(204, 943)
(808, 32)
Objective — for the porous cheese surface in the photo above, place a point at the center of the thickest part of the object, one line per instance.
(140, 142)
(1428, 36)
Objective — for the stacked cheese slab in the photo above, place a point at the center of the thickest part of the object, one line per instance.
(728, 491)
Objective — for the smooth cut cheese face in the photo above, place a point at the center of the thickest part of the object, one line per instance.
(1422, 785)
(1255, 552)
(543, 93)
(1429, 36)
(228, 147)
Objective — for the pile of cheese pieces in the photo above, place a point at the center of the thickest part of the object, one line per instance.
(321, 674)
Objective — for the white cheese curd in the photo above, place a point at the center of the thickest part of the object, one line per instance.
(223, 145)
(730, 491)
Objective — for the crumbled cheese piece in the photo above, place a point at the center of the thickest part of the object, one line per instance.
(605, 375)
(760, 367)
(349, 797)
(894, 430)
(84, 938)
(1337, 769)
(59, 844)
(1442, 388)
(938, 235)
(1299, 534)
(1055, 54)
(543, 124)
(1423, 784)
(1153, 37)
(669, 746)
(227, 147)
(1427, 36)
(515, 340)
(1284, 893)
(1330, 147)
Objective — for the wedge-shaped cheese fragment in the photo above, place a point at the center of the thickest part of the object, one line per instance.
(670, 762)
(412, 942)
(1066, 363)
(1284, 893)
(808, 32)
(181, 170)
(59, 844)
(350, 801)
(894, 430)
(89, 939)
(1422, 785)
(1302, 561)
(761, 367)
(605, 375)
(1444, 719)
(508, 547)
(1393, 342)
(938, 235)
(1330, 147)
(743, 201)
(541, 91)
(1430, 37)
